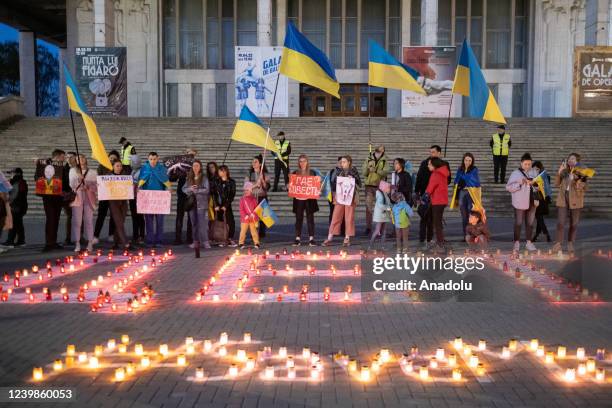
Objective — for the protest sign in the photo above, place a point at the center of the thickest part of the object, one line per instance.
(179, 165)
(115, 187)
(345, 189)
(48, 176)
(304, 187)
(153, 202)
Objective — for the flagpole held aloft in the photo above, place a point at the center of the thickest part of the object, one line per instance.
(450, 105)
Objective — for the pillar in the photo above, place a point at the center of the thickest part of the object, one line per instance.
(406, 20)
(504, 99)
(27, 71)
(429, 22)
(264, 23)
(281, 21)
(104, 23)
(63, 102)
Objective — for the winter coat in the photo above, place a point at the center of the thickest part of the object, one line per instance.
(404, 185)
(201, 192)
(248, 203)
(381, 208)
(18, 196)
(576, 190)
(521, 193)
(373, 177)
(437, 187)
(86, 192)
(423, 175)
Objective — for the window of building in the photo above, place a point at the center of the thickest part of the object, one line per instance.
(169, 33)
(221, 100)
(372, 26)
(335, 32)
(171, 99)
(227, 33)
(191, 35)
(246, 27)
(274, 33)
(394, 38)
(350, 34)
(503, 37)
(196, 100)
(415, 22)
(314, 22)
(213, 50)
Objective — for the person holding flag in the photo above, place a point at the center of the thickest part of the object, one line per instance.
(467, 193)
(542, 180)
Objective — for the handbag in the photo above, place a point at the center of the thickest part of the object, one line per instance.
(219, 230)
(190, 202)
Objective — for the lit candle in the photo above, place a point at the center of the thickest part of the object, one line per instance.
(423, 372)
(188, 340)
(199, 373)
(452, 360)
(70, 350)
(119, 374)
(145, 362)
(222, 351)
(250, 364)
(110, 344)
(122, 348)
(190, 349)
(473, 361)
(181, 360)
(290, 363)
(590, 365)
(314, 372)
(600, 374)
(433, 362)
(582, 369)
(534, 344)
(561, 352)
(306, 353)
(223, 338)
(138, 349)
(163, 349)
(291, 373)
(440, 354)
(233, 370)
(98, 350)
(125, 339)
(385, 356)
(540, 351)
(269, 372)
(456, 374)
(482, 345)
(129, 368)
(550, 357)
(241, 355)
(467, 351)
(37, 374)
(282, 352)
(352, 365)
(58, 365)
(458, 343)
(207, 345)
(247, 337)
(365, 373)
(93, 362)
(82, 357)
(505, 352)
(480, 370)
(580, 354)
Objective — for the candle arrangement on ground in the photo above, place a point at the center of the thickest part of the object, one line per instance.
(229, 359)
(116, 291)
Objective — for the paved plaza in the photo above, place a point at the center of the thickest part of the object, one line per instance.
(334, 333)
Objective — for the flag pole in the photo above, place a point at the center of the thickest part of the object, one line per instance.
(269, 123)
(369, 119)
(76, 145)
(448, 122)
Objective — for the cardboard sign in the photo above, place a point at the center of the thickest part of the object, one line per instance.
(345, 189)
(178, 166)
(115, 187)
(153, 202)
(304, 187)
(48, 176)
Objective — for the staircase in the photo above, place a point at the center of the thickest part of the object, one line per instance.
(548, 140)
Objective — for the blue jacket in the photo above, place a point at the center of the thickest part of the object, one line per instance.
(401, 214)
(153, 178)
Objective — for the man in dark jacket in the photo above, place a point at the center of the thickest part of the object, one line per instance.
(401, 180)
(422, 179)
(53, 204)
(18, 199)
(181, 177)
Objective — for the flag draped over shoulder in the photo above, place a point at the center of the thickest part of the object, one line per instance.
(265, 213)
(583, 171)
(472, 186)
(306, 63)
(469, 81)
(387, 72)
(98, 152)
(543, 182)
(249, 130)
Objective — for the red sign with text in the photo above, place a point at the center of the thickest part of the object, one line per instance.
(304, 187)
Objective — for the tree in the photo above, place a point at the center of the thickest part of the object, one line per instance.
(9, 68)
(47, 82)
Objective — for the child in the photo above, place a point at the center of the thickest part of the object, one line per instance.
(542, 208)
(400, 213)
(476, 232)
(381, 211)
(248, 218)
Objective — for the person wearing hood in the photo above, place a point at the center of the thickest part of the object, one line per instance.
(374, 171)
(18, 199)
(437, 188)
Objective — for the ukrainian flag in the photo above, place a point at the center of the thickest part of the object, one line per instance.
(265, 213)
(306, 63)
(470, 82)
(472, 186)
(543, 182)
(387, 72)
(98, 152)
(249, 130)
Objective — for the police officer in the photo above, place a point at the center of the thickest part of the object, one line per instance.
(127, 150)
(500, 144)
(284, 148)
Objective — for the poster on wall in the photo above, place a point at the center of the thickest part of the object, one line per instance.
(437, 68)
(592, 94)
(256, 70)
(101, 76)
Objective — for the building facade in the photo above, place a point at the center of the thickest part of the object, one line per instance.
(180, 53)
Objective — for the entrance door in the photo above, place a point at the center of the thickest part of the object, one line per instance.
(353, 101)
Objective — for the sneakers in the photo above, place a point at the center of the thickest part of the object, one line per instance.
(327, 242)
(95, 241)
(312, 243)
(346, 242)
(192, 245)
(530, 246)
(207, 245)
(556, 248)
(77, 247)
(297, 242)
(257, 246)
(232, 244)
(517, 246)
(242, 246)
(90, 246)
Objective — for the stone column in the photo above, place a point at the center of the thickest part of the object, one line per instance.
(27, 71)
(281, 21)
(184, 100)
(63, 102)
(504, 99)
(429, 22)
(264, 23)
(406, 16)
(104, 23)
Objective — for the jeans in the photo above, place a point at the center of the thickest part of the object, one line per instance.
(103, 208)
(437, 216)
(17, 232)
(574, 218)
(301, 208)
(199, 222)
(180, 217)
(53, 210)
(426, 227)
(465, 206)
(138, 222)
(155, 228)
(526, 217)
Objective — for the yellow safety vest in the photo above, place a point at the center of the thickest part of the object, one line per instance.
(500, 146)
(282, 148)
(125, 155)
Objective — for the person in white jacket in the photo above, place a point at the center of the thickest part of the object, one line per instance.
(83, 182)
(520, 186)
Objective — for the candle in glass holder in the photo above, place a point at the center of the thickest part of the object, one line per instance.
(222, 351)
(473, 361)
(482, 345)
(241, 355)
(282, 352)
(207, 345)
(110, 344)
(290, 362)
(181, 360)
(534, 344)
(119, 374)
(130, 368)
(306, 353)
(385, 355)
(456, 374)
(480, 370)
(145, 362)
(365, 373)
(269, 372)
(600, 374)
(549, 358)
(582, 369)
(423, 372)
(512, 344)
(590, 365)
(247, 337)
(505, 352)
(125, 339)
(70, 350)
(291, 373)
(314, 372)
(163, 349)
(440, 354)
(93, 362)
(467, 351)
(561, 352)
(188, 340)
(233, 370)
(433, 362)
(580, 353)
(82, 357)
(122, 348)
(199, 373)
(223, 338)
(190, 349)
(458, 343)
(37, 374)
(352, 365)
(98, 350)
(58, 365)
(250, 364)
(139, 349)
(452, 360)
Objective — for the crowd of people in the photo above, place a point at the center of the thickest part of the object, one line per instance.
(206, 194)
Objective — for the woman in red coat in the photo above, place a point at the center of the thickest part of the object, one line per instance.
(437, 188)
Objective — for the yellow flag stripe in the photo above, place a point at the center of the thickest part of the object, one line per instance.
(303, 69)
(251, 133)
(492, 111)
(392, 76)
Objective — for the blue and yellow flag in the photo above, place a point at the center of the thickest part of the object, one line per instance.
(542, 180)
(583, 171)
(98, 152)
(265, 213)
(472, 186)
(387, 72)
(470, 82)
(306, 63)
(249, 130)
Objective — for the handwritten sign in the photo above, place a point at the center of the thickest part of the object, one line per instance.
(115, 187)
(153, 202)
(304, 187)
(48, 176)
(345, 189)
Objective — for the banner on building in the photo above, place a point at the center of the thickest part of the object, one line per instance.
(304, 187)
(437, 68)
(115, 187)
(256, 70)
(178, 166)
(101, 76)
(48, 176)
(592, 82)
(345, 189)
(153, 202)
